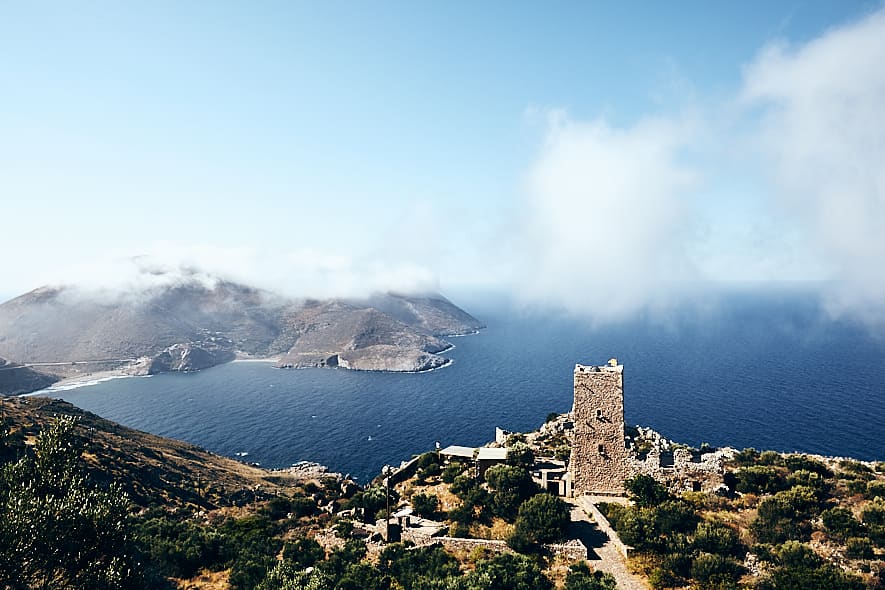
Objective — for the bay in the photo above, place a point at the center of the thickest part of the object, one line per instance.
(771, 371)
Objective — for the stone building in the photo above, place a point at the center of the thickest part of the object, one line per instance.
(599, 459)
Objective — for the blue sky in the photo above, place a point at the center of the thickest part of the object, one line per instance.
(330, 148)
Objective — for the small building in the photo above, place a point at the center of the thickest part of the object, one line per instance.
(553, 476)
(482, 457)
(487, 457)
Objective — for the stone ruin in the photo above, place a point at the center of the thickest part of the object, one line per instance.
(605, 453)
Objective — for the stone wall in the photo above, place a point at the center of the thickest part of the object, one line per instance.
(604, 525)
(599, 456)
(573, 549)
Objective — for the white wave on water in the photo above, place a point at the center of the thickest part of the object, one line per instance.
(69, 385)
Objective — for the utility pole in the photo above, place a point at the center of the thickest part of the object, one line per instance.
(387, 521)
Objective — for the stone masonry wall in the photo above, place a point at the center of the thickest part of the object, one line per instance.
(599, 456)
(573, 550)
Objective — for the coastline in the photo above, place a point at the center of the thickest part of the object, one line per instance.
(78, 381)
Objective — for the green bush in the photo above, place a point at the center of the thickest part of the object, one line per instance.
(425, 505)
(716, 538)
(452, 470)
(875, 489)
(58, 528)
(856, 470)
(748, 456)
(303, 553)
(543, 518)
(579, 577)
(759, 479)
(510, 486)
(785, 516)
(646, 491)
(805, 463)
(715, 571)
(771, 458)
(507, 572)
(840, 523)
(520, 455)
(859, 548)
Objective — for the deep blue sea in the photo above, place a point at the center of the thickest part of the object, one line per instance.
(767, 371)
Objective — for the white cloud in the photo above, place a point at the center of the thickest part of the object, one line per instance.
(607, 216)
(821, 135)
(303, 273)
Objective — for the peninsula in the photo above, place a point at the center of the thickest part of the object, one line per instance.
(193, 323)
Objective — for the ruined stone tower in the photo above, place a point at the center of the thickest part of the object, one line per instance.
(599, 456)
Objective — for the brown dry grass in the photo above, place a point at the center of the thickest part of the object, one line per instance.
(205, 581)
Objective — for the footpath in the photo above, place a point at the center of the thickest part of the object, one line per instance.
(604, 549)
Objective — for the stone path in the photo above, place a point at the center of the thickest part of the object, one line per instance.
(603, 555)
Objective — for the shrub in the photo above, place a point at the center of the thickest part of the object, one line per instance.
(874, 513)
(810, 479)
(675, 516)
(856, 470)
(875, 489)
(452, 470)
(646, 490)
(510, 487)
(840, 523)
(579, 577)
(508, 572)
(425, 505)
(759, 479)
(859, 548)
(805, 463)
(716, 538)
(715, 571)
(785, 516)
(661, 578)
(543, 518)
(520, 455)
(303, 553)
(748, 456)
(277, 508)
(771, 458)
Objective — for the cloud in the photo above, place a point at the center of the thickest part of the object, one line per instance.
(820, 131)
(607, 216)
(303, 273)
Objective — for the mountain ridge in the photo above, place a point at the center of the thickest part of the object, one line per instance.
(192, 324)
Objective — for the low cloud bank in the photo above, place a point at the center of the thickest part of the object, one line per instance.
(606, 214)
(616, 216)
(298, 274)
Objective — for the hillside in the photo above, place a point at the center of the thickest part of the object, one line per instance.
(153, 470)
(192, 323)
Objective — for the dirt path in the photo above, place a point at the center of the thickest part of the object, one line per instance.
(603, 555)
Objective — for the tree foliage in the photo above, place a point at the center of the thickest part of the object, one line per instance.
(57, 528)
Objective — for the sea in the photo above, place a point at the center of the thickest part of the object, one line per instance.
(763, 370)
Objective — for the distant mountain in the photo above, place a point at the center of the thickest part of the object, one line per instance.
(192, 324)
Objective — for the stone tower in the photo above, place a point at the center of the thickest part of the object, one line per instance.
(599, 456)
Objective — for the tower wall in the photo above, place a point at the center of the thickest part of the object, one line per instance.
(599, 456)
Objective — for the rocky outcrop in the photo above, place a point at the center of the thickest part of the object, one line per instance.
(16, 379)
(182, 357)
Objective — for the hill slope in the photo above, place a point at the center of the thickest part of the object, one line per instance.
(152, 469)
